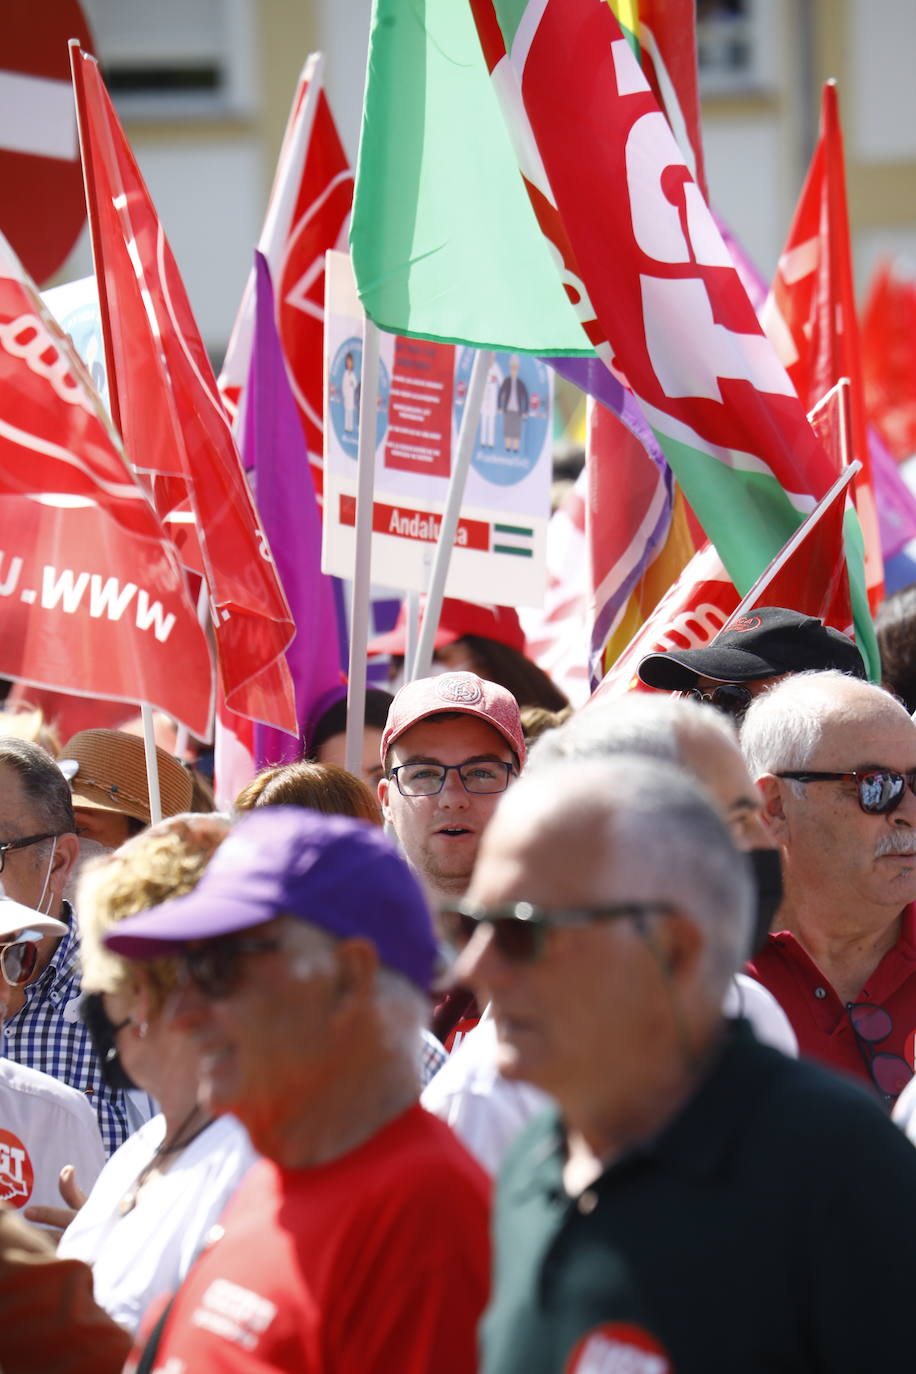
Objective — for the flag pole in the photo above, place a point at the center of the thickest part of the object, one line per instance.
(413, 621)
(152, 763)
(791, 544)
(466, 435)
(359, 596)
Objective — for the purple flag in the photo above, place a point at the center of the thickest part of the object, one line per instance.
(274, 450)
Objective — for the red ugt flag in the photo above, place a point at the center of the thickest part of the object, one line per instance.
(166, 403)
(94, 598)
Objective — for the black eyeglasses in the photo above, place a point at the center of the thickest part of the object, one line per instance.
(213, 966)
(19, 957)
(871, 1024)
(520, 929)
(729, 697)
(879, 790)
(426, 779)
(23, 844)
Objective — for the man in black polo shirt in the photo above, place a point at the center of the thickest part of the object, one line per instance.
(699, 1202)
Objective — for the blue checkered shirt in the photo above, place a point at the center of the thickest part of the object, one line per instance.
(47, 1034)
(432, 1057)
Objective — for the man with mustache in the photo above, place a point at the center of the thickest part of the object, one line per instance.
(835, 759)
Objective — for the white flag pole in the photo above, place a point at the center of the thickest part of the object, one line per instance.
(466, 435)
(152, 763)
(412, 614)
(785, 553)
(359, 598)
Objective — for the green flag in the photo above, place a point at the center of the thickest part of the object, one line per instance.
(443, 238)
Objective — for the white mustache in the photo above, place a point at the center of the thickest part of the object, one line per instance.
(895, 843)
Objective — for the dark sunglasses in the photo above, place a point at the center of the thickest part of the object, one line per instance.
(879, 790)
(871, 1024)
(730, 698)
(520, 929)
(18, 959)
(213, 967)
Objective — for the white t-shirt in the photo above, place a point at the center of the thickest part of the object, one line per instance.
(137, 1256)
(487, 1111)
(44, 1124)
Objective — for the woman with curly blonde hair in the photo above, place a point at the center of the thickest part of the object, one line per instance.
(154, 1203)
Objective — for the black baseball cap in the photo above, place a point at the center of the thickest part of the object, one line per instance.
(767, 642)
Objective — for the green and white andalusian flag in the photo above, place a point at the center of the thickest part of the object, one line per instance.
(442, 246)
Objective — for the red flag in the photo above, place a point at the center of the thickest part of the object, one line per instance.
(668, 55)
(166, 403)
(889, 359)
(94, 598)
(308, 213)
(809, 575)
(810, 314)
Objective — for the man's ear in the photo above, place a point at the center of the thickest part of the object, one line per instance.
(773, 814)
(383, 786)
(677, 944)
(66, 854)
(357, 966)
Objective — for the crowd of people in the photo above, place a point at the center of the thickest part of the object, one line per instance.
(561, 1042)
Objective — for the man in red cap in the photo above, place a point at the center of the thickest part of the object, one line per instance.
(451, 747)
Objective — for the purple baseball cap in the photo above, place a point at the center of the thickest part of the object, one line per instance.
(464, 692)
(337, 873)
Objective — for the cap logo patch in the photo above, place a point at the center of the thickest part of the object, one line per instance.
(459, 687)
(746, 622)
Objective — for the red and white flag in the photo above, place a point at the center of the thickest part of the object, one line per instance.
(166, 403)
(308, 213)
(810, 313)
(809, 575)
(94, 597)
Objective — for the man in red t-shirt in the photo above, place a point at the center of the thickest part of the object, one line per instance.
(359, 1241)
(835, 759)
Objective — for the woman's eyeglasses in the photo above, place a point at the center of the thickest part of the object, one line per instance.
(520, 929)
(878, 790)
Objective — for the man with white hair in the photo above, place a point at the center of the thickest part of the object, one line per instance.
(359, 1242)
(680, 1210)
(487, 1111)
(835, 760)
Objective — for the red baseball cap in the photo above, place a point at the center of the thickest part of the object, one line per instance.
(457, 619)
(465, 692)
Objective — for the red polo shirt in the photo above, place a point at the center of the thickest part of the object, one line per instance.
(820, 1020)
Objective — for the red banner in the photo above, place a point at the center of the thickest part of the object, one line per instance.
(94, 599)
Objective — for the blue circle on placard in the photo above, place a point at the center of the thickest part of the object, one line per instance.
(344, 396)
(509, 438)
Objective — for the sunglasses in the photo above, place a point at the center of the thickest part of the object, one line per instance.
(213, 967)
(730, 698)
(520, 929)
(18, 959)
(879, 790)
(871, 1024)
